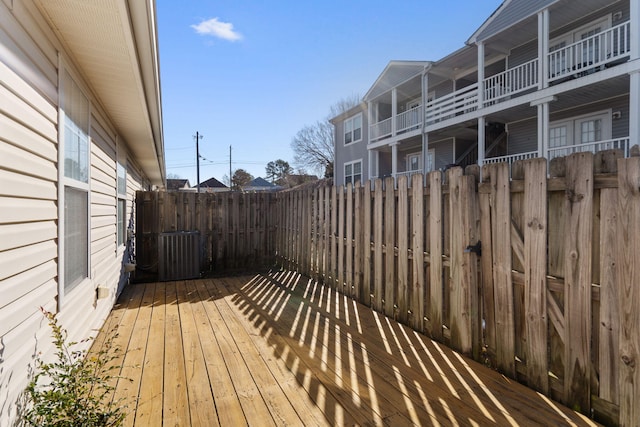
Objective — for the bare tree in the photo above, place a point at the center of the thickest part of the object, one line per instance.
(313, 145)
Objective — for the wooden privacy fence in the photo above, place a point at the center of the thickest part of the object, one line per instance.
(235, 231)
(538, 277)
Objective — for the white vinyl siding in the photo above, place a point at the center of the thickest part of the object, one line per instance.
(353, 129)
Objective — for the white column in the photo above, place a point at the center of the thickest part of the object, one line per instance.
(634, 108)
(394, 159)
(635, 29)
(543, 49)
(425, 97)
(425, 151)
(480, 75)
(481, 140)
(394, 110)
(543, 129)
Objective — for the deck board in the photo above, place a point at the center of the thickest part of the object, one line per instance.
(280, 349)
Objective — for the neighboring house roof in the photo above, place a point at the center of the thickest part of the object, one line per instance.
(177, 184)
(395, 72)
(261, 184)
(212, 183)
(115, 44)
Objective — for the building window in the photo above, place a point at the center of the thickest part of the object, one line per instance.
(353, 172)
(579, 134)
(413, 162)
(122, 204)
(74, 114)
(353, 129)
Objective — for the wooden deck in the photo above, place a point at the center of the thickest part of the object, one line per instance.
(279, 349)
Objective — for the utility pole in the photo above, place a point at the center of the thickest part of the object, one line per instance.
(230, 177)
(198, 137)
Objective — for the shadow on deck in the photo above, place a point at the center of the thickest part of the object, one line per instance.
(280, 349)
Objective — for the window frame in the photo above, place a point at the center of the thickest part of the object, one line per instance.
(573, 128)
(121, 201)
(70, 86)
(352, 131)
(352, 174)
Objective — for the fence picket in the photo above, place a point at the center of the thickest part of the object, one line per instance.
(629, 292)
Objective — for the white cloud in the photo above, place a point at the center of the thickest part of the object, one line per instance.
(214, 27)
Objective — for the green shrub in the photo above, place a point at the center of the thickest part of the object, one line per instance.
(76, 388)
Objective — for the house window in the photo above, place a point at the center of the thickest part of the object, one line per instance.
(353, 129)
(74, 113)
(579, 134)
(122, 204)
(352, 172)
(413, 162)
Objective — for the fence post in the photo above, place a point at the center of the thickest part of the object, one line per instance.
(577, 305)
(402, 297)
(629, 291)
(358, 239)
(417, 286)
(377, 241)
(389, 225)
(365, 294)
(463, 264)
(535, 272)
(503, 285)
(434, 314)
(348, 281)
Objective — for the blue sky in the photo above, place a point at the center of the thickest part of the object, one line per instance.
(251, 74)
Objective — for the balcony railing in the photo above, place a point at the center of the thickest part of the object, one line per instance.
(462, 101)
(409, 120)
(502, 86)
(586, 55)
(565, 150)
(380, 130)
(511, 158)
(408, 174)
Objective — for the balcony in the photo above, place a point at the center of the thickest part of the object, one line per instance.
(591, 54)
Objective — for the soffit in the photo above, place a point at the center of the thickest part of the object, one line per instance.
(107, 42)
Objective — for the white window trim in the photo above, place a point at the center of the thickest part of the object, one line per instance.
(64, 182)
(607, 125)
(408, 161)
(572, 127)
(120, 197)
(344, 127)
(344, 172)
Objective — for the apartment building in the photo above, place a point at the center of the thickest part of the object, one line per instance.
(539, 78)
